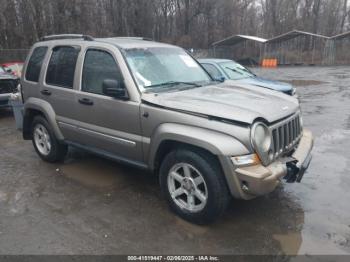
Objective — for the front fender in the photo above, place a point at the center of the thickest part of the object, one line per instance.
(215, 142)
(46, 109)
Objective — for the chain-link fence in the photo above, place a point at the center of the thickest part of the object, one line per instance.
(13, 55)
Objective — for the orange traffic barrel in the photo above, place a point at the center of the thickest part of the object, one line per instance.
(269, 62)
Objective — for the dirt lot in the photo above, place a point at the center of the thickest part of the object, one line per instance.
(93, 206)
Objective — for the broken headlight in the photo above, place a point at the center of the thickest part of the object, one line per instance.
(261, 139)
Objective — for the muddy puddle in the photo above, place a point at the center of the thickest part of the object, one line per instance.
(96, 172)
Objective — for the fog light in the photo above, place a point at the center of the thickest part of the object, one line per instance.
(246, 160)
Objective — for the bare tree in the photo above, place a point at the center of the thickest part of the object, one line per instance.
(190, 23)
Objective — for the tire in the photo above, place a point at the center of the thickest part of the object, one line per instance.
(214, 189)
(41, 134)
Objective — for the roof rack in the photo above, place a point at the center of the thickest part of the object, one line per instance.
(67, 36)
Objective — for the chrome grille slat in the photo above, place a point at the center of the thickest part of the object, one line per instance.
(275, 141)
(298, 125)
(286, 135)
(283, 144)
(290, 130)
(280, 139)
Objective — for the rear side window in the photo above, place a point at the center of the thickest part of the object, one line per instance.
(61, 68)
(98, 66)
(35, 63)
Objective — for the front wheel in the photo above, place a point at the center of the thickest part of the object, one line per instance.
(194, 186)
(45, 143)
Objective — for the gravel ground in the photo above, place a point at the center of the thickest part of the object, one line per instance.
(89, 205)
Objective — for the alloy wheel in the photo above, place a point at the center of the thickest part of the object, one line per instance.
(187, 187)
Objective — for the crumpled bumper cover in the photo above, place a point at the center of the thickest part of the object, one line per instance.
(260, 180)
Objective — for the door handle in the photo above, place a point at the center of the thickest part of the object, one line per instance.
(45, 92)
(86, 101)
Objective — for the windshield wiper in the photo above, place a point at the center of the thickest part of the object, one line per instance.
(234, 70)
(248, 71)
(174, 83)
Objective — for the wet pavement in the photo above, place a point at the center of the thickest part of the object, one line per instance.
(89, 205)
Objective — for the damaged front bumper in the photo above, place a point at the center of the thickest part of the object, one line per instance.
(256, 180)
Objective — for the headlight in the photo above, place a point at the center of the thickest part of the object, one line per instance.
(262, 142)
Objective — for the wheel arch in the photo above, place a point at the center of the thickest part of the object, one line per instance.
(34, 107)
(170, 136)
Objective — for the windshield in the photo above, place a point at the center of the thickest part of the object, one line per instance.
(164, 68)
(2, 70)
(236, 71)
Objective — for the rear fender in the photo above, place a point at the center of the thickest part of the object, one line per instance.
(39, 105)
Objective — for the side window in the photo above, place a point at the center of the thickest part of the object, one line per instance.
(61, 68)
(98, 66)
(212, 70)
(35, 63)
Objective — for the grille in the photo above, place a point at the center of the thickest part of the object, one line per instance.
(7, 86)
(286, 135)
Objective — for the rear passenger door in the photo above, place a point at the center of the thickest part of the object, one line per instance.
(58, 87)
(108, 124)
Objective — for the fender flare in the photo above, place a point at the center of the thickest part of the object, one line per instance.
(46, 109)
(217, 143)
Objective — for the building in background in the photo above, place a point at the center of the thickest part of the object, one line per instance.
(244, 49)
(296, 48)
(339, 49)
(292, 48)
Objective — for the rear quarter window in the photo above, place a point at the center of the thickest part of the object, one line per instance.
(61, 68)
(35, 63)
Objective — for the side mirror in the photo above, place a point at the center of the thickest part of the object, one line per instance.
(220, 79)
(113, 88)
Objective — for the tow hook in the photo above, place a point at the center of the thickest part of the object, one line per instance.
(292, 172)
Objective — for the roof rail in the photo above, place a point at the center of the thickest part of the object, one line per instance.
(134, 38)
(67, 36)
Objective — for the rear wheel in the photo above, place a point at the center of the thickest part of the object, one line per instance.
(45, 143)
(194, 186)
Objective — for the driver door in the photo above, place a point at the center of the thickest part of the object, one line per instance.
(109, 125)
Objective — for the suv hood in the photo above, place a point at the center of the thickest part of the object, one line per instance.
(242, 103)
